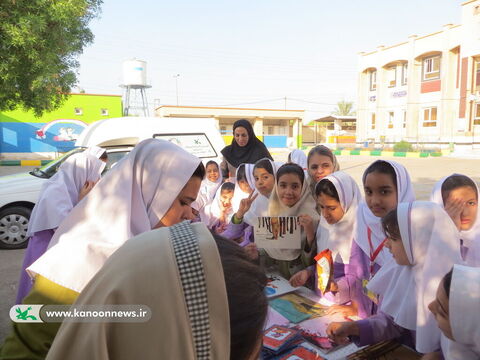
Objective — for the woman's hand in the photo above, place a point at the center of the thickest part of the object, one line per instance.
(252, 251)
(245, 205)
(454, 209)
(300, 278)
(86, 188)
(339, 332)
(306, 222)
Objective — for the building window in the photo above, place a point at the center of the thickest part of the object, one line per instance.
(404, 74)
(392, 76)
(391, 117)
(404, 124)
(431, 68)
(104, 112)
(430, 117)
(476, 120)
(78, 111)
(372, 121)
(373, 80)
(477, 75)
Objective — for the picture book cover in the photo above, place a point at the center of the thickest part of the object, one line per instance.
(302, 353)
(277, 285)
(324, 270)
(297, 308)
(277, 232)
(277, 338)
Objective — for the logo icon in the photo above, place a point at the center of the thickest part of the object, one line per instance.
(23, 315)
(26, 313)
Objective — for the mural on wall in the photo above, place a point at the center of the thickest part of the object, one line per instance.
(55, 136)
(65, 129)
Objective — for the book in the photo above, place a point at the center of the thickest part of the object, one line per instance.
(297, 308)
(277, 285)
(278, 339)
(277, 232)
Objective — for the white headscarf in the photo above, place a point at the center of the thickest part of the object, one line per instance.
(471, 237)
(298, 157)
(60, 193)
(214, 211)
(206, 194)
(189, 320)
(464, 314)
(95, 151)
(366, 219)
(131, 199)
(259, 206)
(432, 246)
(306, 205)
(338, 237)
(239, 194)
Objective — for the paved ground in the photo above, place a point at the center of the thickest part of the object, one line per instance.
(424, 173)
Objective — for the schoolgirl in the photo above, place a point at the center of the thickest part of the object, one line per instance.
(291, 197)
(298, 157)
(220, 211)
(72, 182)
(424, 245)
(458, 195)
(208, 188)
(456, 312)
(321, 161)
(386, 184)
(153, 186)
(337, 197)
(255, 205)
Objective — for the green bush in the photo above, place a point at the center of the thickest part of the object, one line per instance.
(402, 146)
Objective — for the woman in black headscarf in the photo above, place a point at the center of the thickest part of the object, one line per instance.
(245, 148)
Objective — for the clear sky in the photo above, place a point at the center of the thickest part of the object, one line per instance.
(251, 53)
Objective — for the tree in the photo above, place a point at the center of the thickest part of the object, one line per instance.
(344, 108)
(40, 41)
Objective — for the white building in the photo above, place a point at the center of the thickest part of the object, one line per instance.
(425, 90)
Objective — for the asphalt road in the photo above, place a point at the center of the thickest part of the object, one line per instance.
(424, 173)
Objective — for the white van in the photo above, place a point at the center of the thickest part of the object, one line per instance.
(19, 192)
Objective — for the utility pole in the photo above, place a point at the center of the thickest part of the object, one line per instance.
(285, 98)
(176, 85)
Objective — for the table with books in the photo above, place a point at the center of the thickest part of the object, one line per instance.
(296, 328)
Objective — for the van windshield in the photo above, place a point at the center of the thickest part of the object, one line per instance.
(196, 144)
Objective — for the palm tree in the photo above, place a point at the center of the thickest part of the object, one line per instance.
(344, 108)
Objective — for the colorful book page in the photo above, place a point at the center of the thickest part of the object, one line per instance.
(315, 330)
(297, 308)
(277, 285)
(277, 232)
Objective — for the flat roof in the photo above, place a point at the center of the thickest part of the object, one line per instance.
(223, 108)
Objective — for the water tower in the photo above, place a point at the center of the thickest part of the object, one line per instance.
(135, 83)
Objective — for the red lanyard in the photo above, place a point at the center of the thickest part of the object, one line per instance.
(374, 254)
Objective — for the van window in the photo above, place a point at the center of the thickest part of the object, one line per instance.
(196, 144)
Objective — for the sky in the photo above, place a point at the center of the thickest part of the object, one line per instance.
(251, 53)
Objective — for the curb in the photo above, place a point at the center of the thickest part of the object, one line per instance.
(24, 162)
(388, 153)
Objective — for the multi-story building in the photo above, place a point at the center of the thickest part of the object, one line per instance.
(425, 90)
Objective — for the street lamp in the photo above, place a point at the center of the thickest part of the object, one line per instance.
(176, 85)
